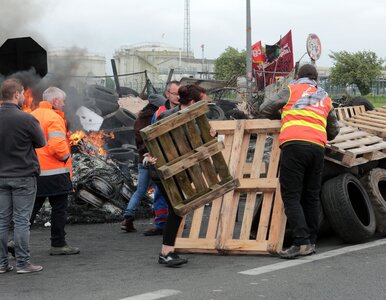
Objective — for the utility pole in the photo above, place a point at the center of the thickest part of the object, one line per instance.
(249, 53)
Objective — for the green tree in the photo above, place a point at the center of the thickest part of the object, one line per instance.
(230, 63)
(360, 68)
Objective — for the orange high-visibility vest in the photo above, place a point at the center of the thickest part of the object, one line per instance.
(304, 117)
(55, 157)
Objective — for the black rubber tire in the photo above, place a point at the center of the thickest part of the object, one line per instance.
(126, 117)
(90, 198)
(348, 209)
(215, 112)
(235, 114)
(88, 102)
(121, 154)
(102, 93)
(126, 91)
(361, 101)
(106, 107)
(375, 185)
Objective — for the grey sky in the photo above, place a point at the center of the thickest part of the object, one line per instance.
(104, 26)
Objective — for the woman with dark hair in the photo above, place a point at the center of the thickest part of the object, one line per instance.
(189, 95)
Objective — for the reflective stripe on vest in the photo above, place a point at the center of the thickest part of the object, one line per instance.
(56, 134)
(304, 117)
(54, 171)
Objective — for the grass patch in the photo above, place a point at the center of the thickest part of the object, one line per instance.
(378, 101)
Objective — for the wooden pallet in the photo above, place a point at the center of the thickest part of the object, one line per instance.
(349, 111)
(355, 147)
(372, 121)
(249, 219)
(189, 161)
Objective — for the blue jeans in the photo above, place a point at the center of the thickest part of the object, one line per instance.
(17, 196)
(161, 210)
(144, 180)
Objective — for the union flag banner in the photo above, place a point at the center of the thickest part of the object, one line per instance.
(282, 65)
(258, 56)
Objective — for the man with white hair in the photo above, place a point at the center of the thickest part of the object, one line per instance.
(54, 181)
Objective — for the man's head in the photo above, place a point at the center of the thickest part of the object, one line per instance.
(55, 96)
(12, 90)
(308, 71)
(171, 93)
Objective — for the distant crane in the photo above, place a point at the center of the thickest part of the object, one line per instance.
(186, 47)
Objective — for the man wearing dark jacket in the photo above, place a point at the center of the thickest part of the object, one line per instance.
(308, 121)
(143, 120)
(20, 133)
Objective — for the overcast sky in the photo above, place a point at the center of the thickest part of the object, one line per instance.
(103, 26)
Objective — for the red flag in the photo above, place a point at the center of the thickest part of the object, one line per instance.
(258, 56)
(266, 74)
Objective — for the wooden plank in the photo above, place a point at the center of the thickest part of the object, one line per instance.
(371, 119)
(378, 131)
(356, 143)
(190, 159)
(216, 192)
(170, 185)
(230, 200)
(348, 136)
(166, 143)
(366, 121)
(179, 118)
(277, 225)
(257, 184)
(196, 223)
(250, 202)
(366, 149)
(196, 141)
(194, 170)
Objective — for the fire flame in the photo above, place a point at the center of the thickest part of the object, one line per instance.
(28, 101)
(92, 142)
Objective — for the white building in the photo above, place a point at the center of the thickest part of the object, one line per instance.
(76, 64)
(157, 59)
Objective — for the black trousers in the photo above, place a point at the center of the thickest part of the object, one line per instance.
(58, 217)
(301, 168)
(173, 221)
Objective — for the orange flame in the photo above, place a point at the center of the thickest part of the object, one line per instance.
(28, 101)
(93, 142)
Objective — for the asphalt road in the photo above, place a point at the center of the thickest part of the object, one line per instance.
(117, 265)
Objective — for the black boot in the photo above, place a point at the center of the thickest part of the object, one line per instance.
(128, 225)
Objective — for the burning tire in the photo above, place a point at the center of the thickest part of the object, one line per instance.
(348, 209)
(375, 184)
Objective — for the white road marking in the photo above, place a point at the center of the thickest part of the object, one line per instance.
(307, 259)
(154, 295)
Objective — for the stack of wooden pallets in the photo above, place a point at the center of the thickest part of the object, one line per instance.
(361, 138)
